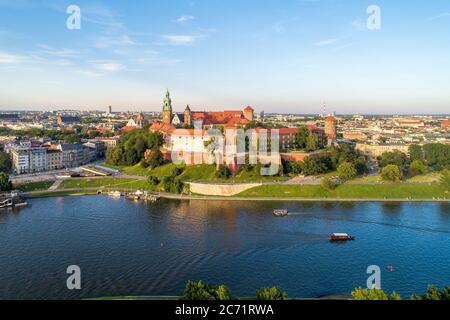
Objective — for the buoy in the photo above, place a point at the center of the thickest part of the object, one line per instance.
(390, 268)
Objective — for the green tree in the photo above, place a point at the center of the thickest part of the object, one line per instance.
(312, 143)
(153, 181)
(274, 293)
(415, 152)
(154, 159)
(5, 162)
(328, 184)
(374, 294)
(301, 138)
(72, 138)
(417, 167)
(437, 155)
(347, 171)
(313, 166)
(223, 172)
(5, 183)
(434, 293)
(396, 157)
(392, 173)
(200, 291)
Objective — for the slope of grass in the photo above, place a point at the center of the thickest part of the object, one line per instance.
(33, 186)
(349, 191)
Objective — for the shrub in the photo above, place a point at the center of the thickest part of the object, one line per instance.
(347, 171)
(223, 172)
(416, 168)
(5, 183)
(153, 181)
(392, 173)
(274, 293)
(445, 180)
(202, 291)
(374, 294)
(434, 293)
(328, 184)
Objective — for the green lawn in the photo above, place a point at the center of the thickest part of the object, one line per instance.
(105, 182)
(349, 191)
(33, 186)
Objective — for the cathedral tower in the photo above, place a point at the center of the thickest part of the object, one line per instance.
(167, 109)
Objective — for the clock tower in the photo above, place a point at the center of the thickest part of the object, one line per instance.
(167, 109)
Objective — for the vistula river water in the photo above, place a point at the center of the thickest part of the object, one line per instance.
(135, 248)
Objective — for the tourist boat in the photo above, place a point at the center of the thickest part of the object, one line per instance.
(281, 213)
(335, 237)
(7, 203)
(115, 194)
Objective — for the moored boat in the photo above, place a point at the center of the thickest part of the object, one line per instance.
(115, 194)
(335, 237)
(281, 213)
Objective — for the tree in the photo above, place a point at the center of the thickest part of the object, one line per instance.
(445, 180)
(223, 172)
(312, 166)
(415, 152)
(5, 162)
(172, 185)
(416, 168)
(131, 150)
(271, 294)
(153, 181)
(5, 183)
(396, 157)
(392, 173)
(434, 293)
(374, 294)
(361, 165)
(437, 155)
(312, 143)
(154, 158)
(200, 291)
(347, 171)
(72, 138)
(301, 138)
(328, 184)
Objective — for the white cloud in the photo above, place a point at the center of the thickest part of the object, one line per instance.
(8, 58)
(184, 19)
(62, 53)
(176, 40)
(326, 42)
(109, 66)
(106, 42)
(89, 73)
(440, 16)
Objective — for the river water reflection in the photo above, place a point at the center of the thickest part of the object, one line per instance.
(128, 248)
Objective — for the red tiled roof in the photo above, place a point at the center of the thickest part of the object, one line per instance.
(162, 127)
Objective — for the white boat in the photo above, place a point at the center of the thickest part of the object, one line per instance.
(115, 194)
(6, 203)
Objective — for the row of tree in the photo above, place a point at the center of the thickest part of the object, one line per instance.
(201, 291)
(131, 150)
(395, 165)
(344, 158)
(5, 168)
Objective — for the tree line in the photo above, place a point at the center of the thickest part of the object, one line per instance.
(201, 291)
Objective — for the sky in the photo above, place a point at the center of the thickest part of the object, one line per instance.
(286, 56)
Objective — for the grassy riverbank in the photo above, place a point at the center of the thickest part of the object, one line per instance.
(349, 191)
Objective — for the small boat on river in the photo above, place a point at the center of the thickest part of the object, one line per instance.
(280, 213)
(341, 237)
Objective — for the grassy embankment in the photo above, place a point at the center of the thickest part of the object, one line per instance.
(349, 191)
(33, 186)
(205, 173)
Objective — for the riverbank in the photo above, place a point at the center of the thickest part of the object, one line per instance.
(245, 197)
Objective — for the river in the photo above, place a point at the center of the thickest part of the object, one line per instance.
(135, 248)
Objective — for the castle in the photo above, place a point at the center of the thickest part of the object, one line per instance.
(208, 120)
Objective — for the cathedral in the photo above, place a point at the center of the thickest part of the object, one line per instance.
(208, 120)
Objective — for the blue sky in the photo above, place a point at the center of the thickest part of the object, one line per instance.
(276, 55)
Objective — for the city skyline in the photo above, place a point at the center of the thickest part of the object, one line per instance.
(285, 57)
